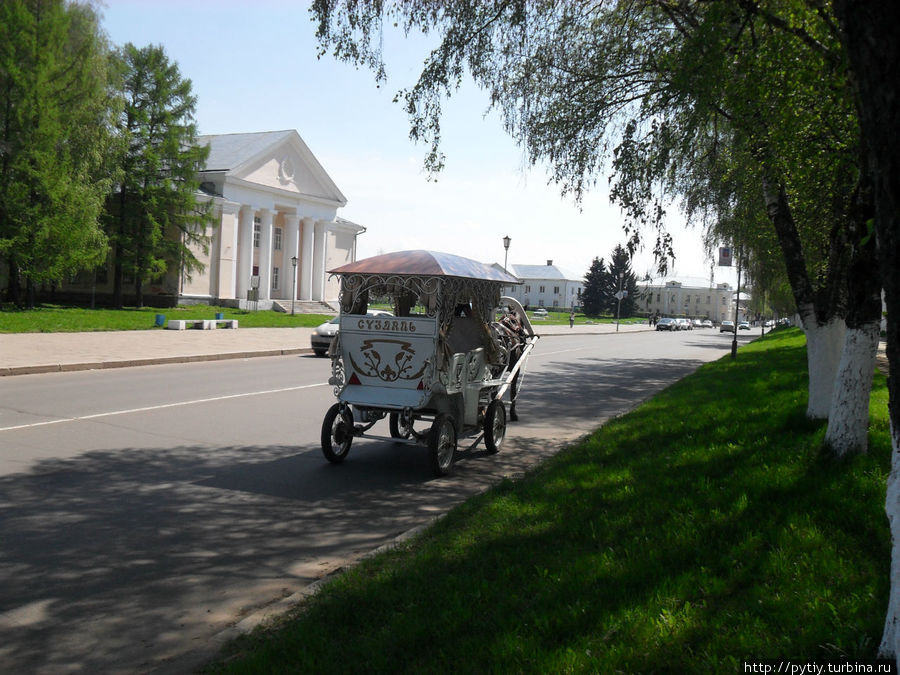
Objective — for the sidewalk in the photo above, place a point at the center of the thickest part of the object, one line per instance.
(32, 353)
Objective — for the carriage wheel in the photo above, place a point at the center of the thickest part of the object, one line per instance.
(442, 445)
(401, 425)
(494, 426)
(337, 433)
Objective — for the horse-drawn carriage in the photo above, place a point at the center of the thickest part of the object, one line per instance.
(439, 367)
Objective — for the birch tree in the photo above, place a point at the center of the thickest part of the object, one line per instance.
(870, 29)
(648, 82)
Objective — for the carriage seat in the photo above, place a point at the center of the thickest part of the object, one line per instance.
(466, 334)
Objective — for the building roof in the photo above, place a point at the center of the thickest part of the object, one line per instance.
(543, 272)
(685, 281)
(228, 151)
(241, 156)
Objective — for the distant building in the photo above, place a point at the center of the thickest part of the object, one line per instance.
(546, 286)
(691, 298)
(272, 202)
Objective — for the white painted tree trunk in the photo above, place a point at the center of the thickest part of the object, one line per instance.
(848, 419)
(890, 639)
(824, 343)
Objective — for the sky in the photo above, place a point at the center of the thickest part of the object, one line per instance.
(254, 66)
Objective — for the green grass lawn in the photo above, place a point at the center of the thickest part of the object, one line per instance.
(562, 319)
(704, 528)
(59, 319)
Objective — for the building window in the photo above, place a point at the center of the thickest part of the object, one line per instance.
(528, 289)
(542, 289)
(707, 299)
(556, 290)
(275, 274)
(277, 244)
(256, 233)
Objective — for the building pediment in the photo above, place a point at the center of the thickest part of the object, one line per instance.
(279, 160)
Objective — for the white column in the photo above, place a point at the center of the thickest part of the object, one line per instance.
(292, 241)
(307, 247)
(324, 276)
(318, 285)
(265, 254)
(245, 250)
(228, 251)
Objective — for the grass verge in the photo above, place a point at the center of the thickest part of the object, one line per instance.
(63, 319)
(700, 530)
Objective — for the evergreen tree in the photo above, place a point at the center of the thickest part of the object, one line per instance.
(621, 277)
(55, 141)
(595, 296)
(154, 217)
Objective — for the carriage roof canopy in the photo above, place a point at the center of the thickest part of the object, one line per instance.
(427, 263)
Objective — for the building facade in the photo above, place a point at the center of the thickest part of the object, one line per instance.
(686, 299)
(277, 231)
(273, 203)
(545, 286)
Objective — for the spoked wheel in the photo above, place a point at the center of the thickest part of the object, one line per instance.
(442, 445)
(337, 433)
(401, 424)
(494, 426)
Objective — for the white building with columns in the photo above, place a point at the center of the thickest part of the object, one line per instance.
(273, 202)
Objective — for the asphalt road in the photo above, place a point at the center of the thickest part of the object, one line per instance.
(144, 512)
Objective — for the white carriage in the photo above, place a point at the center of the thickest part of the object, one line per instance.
(439, 367)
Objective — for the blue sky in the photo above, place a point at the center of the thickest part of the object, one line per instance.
(254, 67)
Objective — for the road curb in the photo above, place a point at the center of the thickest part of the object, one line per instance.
(155, 361)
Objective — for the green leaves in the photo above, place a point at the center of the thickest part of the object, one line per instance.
(54, 135)
(157, 192)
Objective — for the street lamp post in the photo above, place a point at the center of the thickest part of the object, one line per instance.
(506, 241)
(619, 305)
(293, 283)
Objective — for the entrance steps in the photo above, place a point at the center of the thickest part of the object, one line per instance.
(303, 307)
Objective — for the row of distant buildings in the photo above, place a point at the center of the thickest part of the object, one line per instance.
(551, 287)
(277, 233)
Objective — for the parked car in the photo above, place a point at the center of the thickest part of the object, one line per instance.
(744, 325)
(684, 324)
(540, 313)
(324, 333)
(727, 327)
(707, 323)
(666, 323)
(696, 323)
